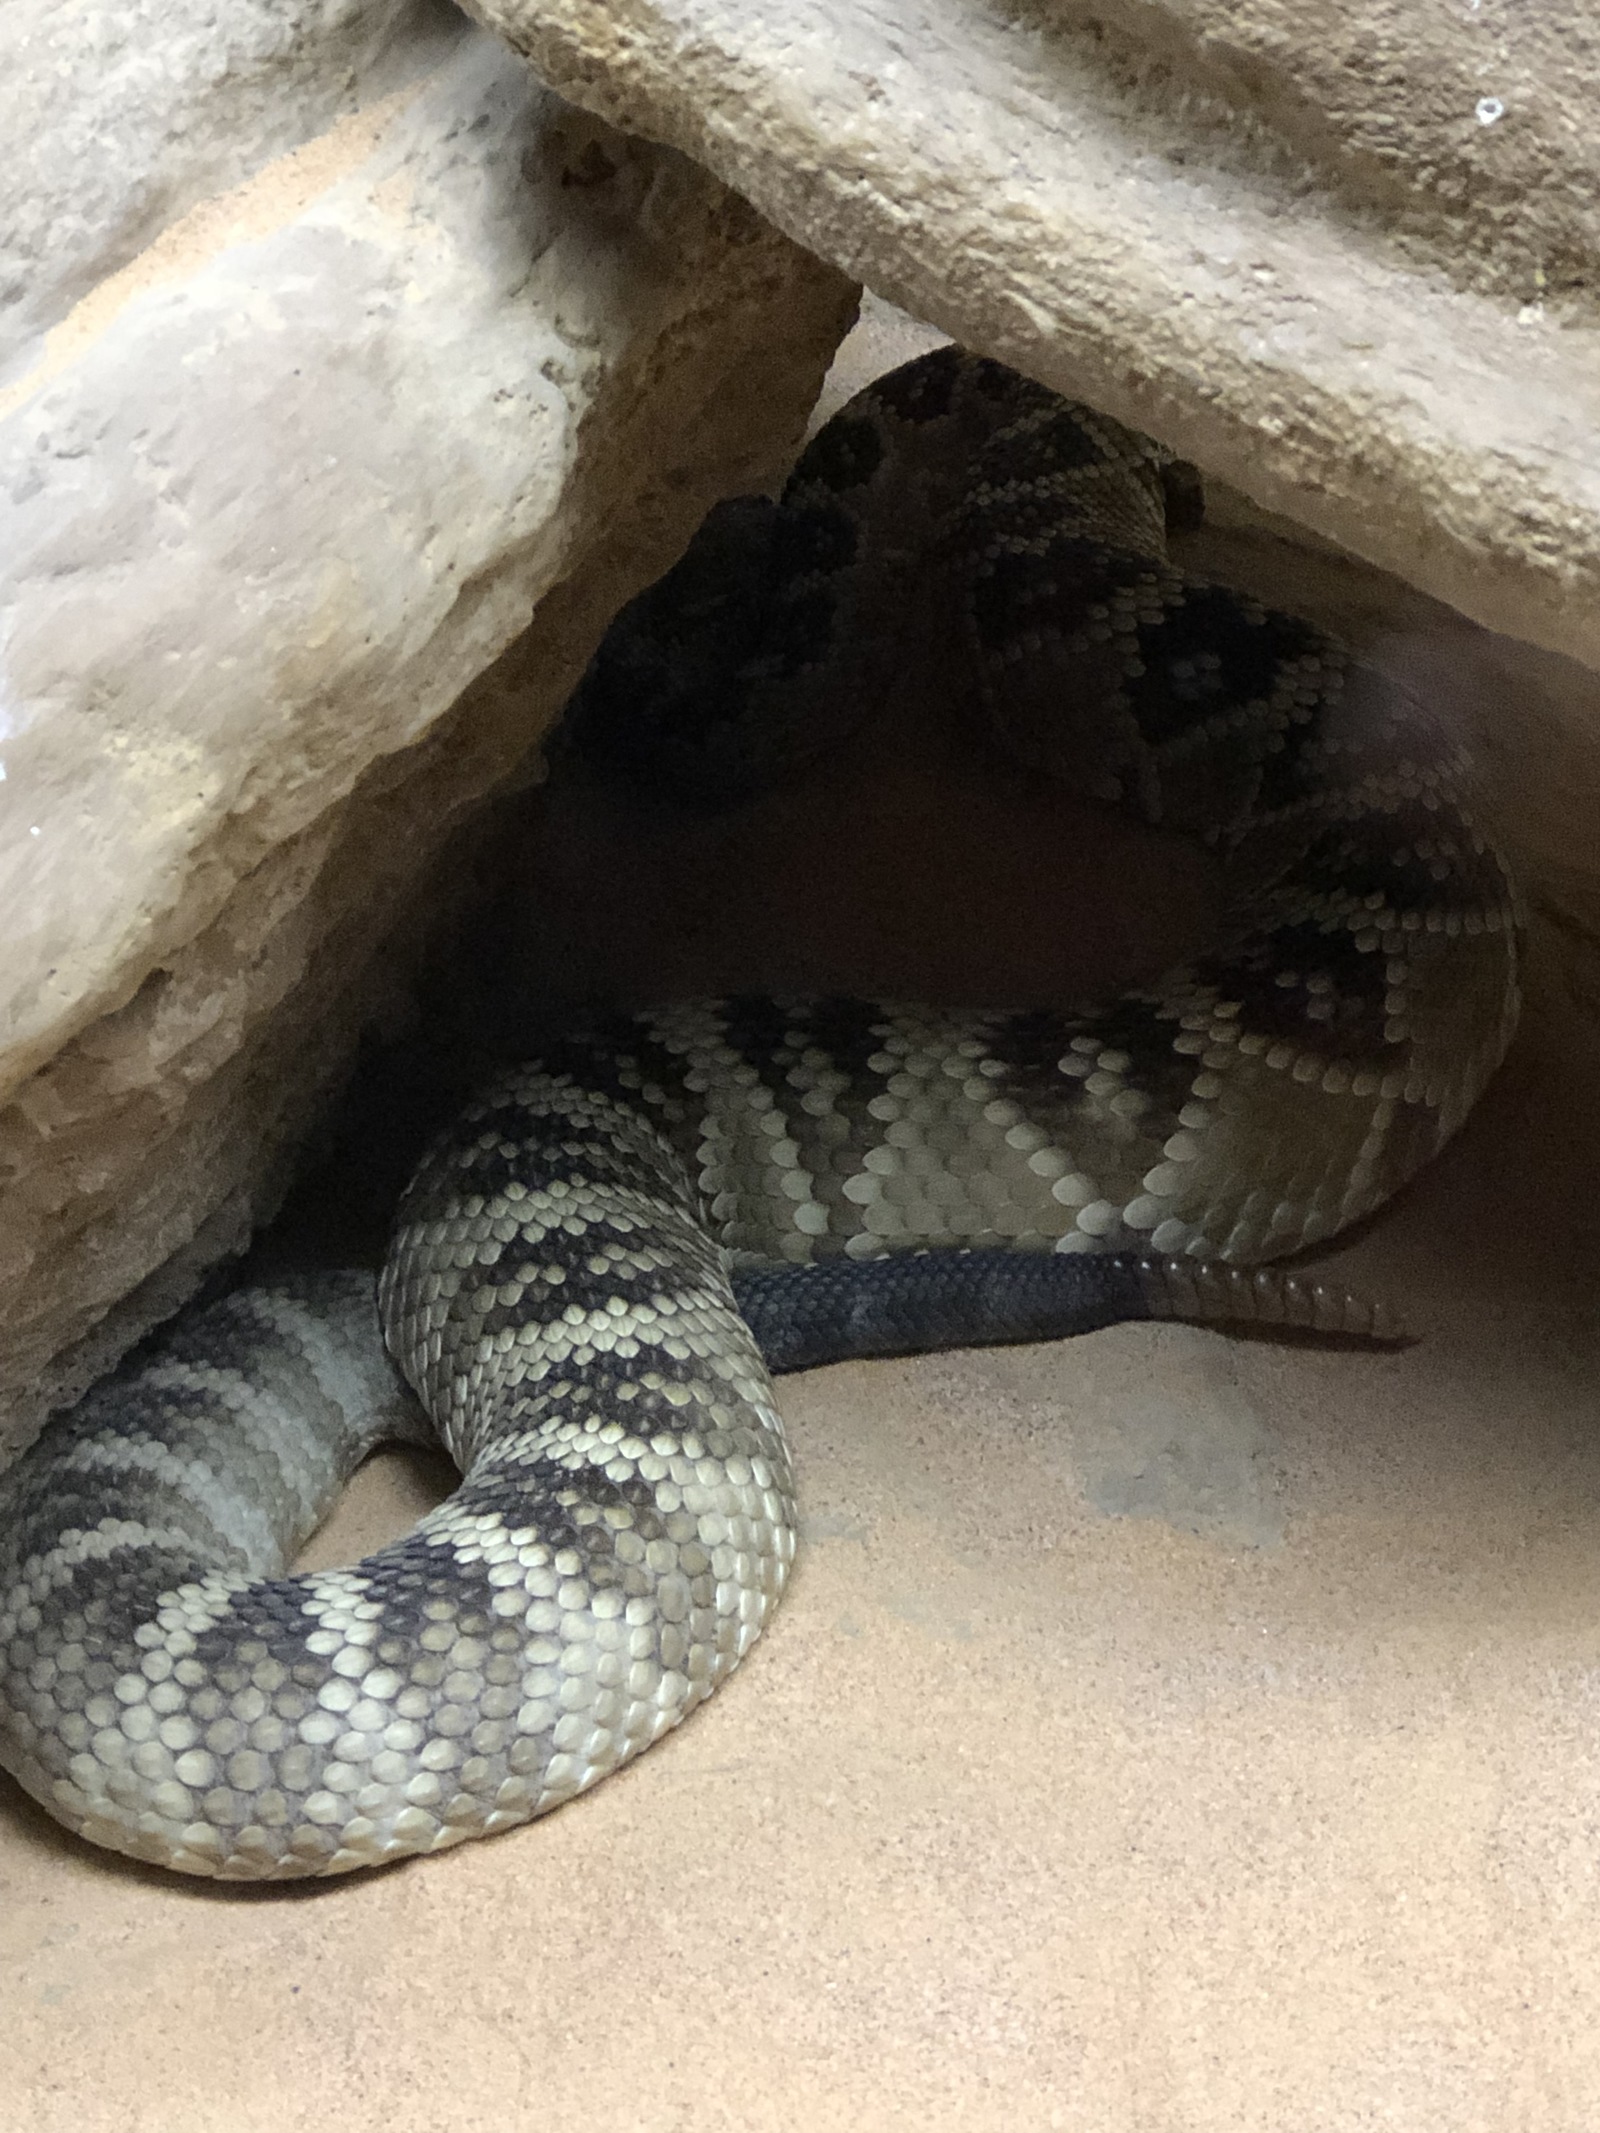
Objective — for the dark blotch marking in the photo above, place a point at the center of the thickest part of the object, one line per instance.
(811, 536)
(1208, 620)
(1062, 442)
(1031, 1046)
(922, 391)
(1019, 590)
(1360, 859)
(675, 703)
(843, 455)
(848, 1030)
(1302, 948)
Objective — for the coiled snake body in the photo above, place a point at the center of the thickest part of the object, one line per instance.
(561, 1287)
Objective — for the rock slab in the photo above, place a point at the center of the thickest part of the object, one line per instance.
(1344, 257)
(436, 391)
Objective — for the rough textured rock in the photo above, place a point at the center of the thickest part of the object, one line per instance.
(265, 512)
(1342, 256)
(117, 121)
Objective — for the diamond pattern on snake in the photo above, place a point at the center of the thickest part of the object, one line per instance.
(605, 1258)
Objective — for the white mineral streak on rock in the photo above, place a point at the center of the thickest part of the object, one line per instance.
(1282, 240)
(271, 496)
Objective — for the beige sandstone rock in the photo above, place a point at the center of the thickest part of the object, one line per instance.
(269, 502)
(1341, 255)
(117, 121)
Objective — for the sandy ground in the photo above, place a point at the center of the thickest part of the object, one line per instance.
(1161, 1732)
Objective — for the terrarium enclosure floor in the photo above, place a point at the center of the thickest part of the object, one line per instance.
(1161, 1731)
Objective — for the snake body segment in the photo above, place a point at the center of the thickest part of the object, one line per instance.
(580, 1271)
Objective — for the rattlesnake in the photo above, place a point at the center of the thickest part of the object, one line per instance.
(558, 1286)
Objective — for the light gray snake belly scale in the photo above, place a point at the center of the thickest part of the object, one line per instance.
(596, 1265)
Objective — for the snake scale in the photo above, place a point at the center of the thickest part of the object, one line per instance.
(599, 1263)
